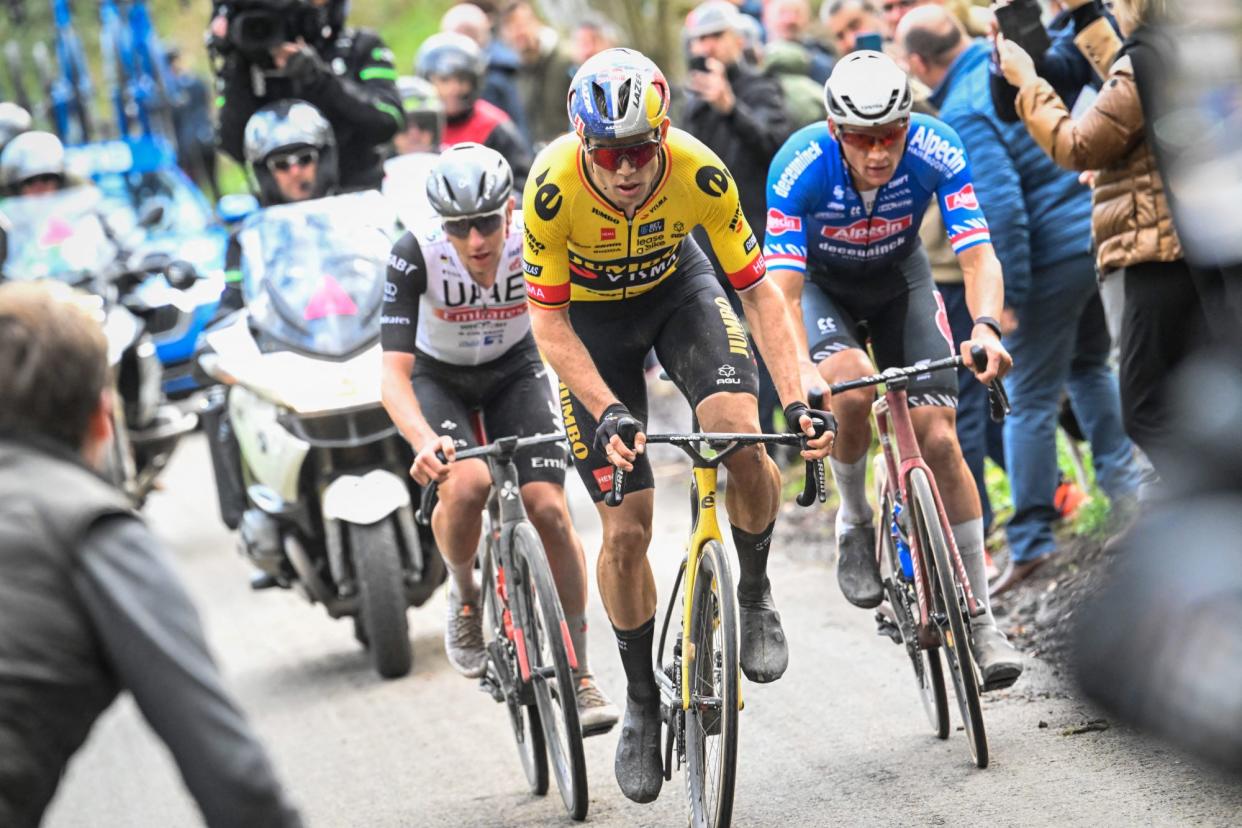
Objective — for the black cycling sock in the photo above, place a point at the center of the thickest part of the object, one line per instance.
(635, 647)
(752, 558)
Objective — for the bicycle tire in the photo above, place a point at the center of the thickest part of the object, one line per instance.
(928, 671)
(523, 718)
(714, 633)
(947, 603)
(556, 694)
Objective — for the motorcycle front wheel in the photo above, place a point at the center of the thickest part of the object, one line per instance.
(377, 563)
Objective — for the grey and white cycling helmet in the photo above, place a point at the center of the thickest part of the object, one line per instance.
(469, 180)
(867, 89)
(287, 126)
(31, 155)
(618, 93)
(13, 122)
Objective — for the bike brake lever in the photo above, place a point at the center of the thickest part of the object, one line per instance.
(815, 485)
(627, 431)
(998, 401)
(431, 496)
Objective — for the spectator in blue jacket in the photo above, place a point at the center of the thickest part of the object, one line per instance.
(1040, 218)
(500, 81)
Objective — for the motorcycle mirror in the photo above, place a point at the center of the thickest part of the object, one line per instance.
(151, 215)
(180, 274)
(154, 262)
(236, 206)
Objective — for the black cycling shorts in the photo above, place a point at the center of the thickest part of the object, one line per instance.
(512, 395)
(904, 317)
(700, 342)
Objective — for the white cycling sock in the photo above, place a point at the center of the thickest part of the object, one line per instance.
(851, 480)
(463, 583)
(578, 635)
(969, 539)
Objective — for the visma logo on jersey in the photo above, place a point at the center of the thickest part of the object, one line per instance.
(779, 223)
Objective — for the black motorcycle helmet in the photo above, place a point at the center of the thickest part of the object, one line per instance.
(469, 180)
(285, 127)
(448, 54)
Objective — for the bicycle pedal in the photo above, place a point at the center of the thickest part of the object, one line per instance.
(884, 626)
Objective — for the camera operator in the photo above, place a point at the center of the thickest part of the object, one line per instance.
(268, 50)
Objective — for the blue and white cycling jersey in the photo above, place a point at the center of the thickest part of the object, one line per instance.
(817, 221)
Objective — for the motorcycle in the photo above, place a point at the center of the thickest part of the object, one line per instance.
(327, 497)
(63, 237)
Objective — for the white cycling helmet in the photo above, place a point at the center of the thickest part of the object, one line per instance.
(30, 155)
(867, 89)
(618, 93)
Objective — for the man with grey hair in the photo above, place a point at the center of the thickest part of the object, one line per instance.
(847, 19)
(500, 80)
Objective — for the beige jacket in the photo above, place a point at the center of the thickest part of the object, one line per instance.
(1130, 217)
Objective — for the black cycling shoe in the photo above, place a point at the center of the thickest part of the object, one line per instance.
(639, 769)
(858, 571)
(998, 661)
(765, 654)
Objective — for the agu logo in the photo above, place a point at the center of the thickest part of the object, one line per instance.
(963, 199)
(779, 223)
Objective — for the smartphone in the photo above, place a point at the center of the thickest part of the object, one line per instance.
(698, 63)
(1020, 22)
(870, 40)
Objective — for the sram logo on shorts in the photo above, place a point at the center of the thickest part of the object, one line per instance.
(779, 223)
(866, 232)
(963, 198)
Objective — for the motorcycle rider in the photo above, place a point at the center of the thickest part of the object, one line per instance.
(13, 122)
(457, 340)
(455, 66)
(32, 163)
(346, 73)
(424, 117)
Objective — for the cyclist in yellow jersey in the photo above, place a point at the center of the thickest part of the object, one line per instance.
(611, 274)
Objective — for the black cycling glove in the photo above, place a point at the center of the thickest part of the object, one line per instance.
(822, 420)
(616, 419)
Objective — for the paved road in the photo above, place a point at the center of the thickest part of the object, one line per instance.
(840, 740)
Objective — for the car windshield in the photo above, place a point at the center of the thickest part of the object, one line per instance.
(314, 272)
(56, 236)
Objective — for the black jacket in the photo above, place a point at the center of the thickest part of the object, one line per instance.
(747, 138)
(353, 85)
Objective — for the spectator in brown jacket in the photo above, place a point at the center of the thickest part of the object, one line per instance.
(1167, 305)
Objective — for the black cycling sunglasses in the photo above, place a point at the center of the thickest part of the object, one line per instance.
(301, 158)
(486, 224)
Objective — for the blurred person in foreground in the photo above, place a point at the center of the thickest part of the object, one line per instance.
(499, 86)
(1056, 330)
(89, 605)
(1167, 308)
(544, 73)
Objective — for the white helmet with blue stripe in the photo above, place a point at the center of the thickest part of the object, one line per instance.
(618, 93)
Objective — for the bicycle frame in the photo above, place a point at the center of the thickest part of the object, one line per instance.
(71, 93)
(704, 527)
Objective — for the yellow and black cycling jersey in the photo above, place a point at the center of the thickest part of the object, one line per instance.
(581, 248)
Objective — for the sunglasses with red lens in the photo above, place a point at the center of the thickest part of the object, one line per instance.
(866, 140)
(486, 224)
(611, 158)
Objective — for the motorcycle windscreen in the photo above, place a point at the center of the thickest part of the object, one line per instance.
(314, 278)
(56, 236)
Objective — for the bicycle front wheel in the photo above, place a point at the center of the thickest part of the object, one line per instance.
(556, 690)
(948, 615)
(712, 665)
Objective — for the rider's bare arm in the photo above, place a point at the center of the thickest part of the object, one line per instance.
(400, 402)
(985, 296)
(790, 283)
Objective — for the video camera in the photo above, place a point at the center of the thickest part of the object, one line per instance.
(256, 27)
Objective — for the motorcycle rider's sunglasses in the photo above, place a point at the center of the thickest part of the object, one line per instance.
(866, 140)
(301, 158)
(639, 155)
(486, 224)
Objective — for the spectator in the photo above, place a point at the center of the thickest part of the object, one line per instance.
(454, 65)
(740, 115)
(789, 21)
(543, 74)
(424, 117)
(972, 14)
(196, 139)
(790, 64)
(89, 605)
(1168, 306)
(347, 74)
(1057, 334)
(847, 19)
(500, 80)
(592, 34)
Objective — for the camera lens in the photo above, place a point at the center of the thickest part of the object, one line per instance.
(258, 30)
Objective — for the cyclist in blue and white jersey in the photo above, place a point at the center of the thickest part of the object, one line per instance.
(845, 201)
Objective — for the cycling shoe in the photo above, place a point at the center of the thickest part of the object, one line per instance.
(765, 653)
(858, 571)
(639, 769)
(998, 661)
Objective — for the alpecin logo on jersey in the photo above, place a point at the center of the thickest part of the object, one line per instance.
(963, 199)
(867, 232)
(779, 223)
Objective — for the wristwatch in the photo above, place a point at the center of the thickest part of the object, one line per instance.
(991, 323)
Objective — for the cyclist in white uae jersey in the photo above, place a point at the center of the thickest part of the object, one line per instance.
(845, 200)
(457, 345)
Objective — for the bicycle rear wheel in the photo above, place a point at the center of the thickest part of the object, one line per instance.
(712, 665)
(947, 613)
(928, 673)
(556, 690)
(504, 674)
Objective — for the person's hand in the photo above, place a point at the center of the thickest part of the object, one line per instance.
(1017, 66)
(802, 419)
(427, 466)
(612, 422)
(713, 87)
(999, 360)
(282, 53)
(1087, 178)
